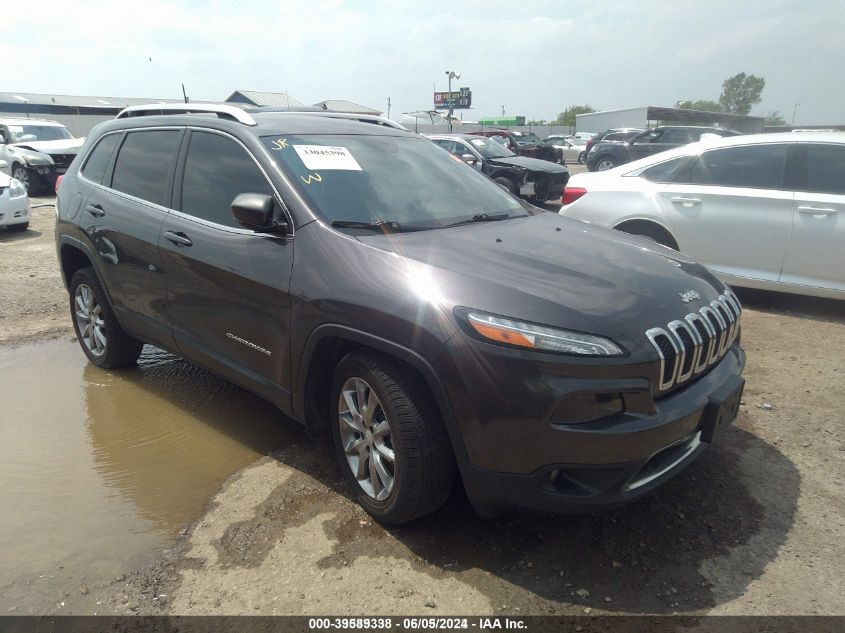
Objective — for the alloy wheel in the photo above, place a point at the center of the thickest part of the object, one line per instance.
(89, 320)
(22, 174)
(366, 438)
(604, 165)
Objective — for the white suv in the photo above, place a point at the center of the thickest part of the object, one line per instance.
(763, 211)
(37, 151)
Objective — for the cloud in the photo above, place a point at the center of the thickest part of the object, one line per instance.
(535, 60)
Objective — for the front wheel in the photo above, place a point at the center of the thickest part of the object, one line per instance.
(21, 173)
(392, 446)
(605, 163)
(505, 183)
(97, 330)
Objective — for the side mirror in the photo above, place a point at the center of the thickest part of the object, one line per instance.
(468, 158)
(255, 211)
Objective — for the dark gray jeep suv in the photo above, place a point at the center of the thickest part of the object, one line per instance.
(363, 279)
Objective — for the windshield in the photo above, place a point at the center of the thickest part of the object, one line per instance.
(396, 179)
(524, 138)
(26, 133)
(490, 148)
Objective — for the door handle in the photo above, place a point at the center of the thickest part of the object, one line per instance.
(818, 210)
(96, 210)
(688, 201)
(180, 239)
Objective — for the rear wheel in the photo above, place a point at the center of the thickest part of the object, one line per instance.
(507, 183)
(18, 228)
(97, 330)
(391, 443)
(581, 157)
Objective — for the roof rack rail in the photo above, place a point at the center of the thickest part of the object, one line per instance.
(231, 112)
(363, 118)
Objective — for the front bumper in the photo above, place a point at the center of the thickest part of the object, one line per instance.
(546, 466)
(13, 210)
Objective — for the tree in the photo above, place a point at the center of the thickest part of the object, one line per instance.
(702, 104)
(567, 117)
(740, 92)
(774, 118)
(538, 122)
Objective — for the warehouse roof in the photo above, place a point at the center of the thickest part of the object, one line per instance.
(257, 98)
(340, 105)
(75, 101)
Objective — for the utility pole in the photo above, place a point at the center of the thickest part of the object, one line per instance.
(388, 107)
(451, 74)
(503, 112)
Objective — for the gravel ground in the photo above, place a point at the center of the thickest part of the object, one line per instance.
(756, 526)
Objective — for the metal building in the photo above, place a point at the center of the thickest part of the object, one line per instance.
(78, 113)
(649, 116)
(258, 98)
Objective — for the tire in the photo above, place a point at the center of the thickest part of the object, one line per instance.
(18, 228)
(604, 163)
(423, 466)
(103, 341)
(21, 173)
(581, 157)
(507, 183)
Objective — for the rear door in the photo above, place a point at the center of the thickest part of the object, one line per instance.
(122, 217)
(731, 210)
(227, 286)
(816, 253)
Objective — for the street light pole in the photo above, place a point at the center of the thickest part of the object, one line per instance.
(451, 74)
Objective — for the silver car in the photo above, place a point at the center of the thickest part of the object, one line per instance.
(761, 211)
(37, 151)
(572, 149)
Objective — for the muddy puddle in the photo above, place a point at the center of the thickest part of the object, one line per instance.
(101, 470)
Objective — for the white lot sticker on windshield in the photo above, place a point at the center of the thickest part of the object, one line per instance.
(316, 157)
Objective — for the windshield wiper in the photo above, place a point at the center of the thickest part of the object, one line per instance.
(382, 226)
(480, 217)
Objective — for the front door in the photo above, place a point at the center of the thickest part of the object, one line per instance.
(227, 286)
(816, 253)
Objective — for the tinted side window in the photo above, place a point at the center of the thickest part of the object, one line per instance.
(143, 164)
(681, 137)
(217, 170)
(826, 168)
(756, 166)
(666, 171)
(95, 167)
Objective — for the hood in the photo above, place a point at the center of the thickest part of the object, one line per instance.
(557, 271)
(61, 146)
(532, 164)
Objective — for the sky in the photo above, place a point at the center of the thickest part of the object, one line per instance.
(534, 57)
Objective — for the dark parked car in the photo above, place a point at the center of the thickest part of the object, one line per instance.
(529, 178)
(523, 144)
(609, 154)
(362, 279)
(619, 134)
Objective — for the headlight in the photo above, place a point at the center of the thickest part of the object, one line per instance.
(34, 161)
(16, 188)
(538, 337)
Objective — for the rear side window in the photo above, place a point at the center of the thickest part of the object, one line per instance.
(95, 167)
(666, 171)
(143, 165)
(217, 170)
(753, 166)
(826, 168)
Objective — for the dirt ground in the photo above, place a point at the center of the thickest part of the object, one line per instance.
(756, 526)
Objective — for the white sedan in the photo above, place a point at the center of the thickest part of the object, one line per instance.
(572, 149)
(14, 203)
(763, 211)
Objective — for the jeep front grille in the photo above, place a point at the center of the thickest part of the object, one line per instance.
(689, 346)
